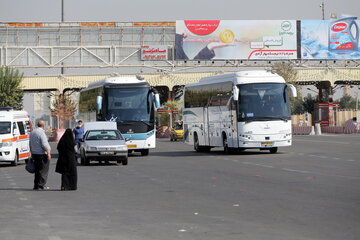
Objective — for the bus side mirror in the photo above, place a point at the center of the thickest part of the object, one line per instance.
(98, 103)
(157, 100)
(235, 93)
(292, 89)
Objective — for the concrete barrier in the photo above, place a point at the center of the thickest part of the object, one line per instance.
(301, 130)
(317, 129)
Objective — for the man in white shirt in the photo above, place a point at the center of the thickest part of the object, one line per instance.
(40, 152)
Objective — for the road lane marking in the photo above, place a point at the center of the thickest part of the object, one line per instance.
(304, 140)
(257, 164)
(302, 171)
(45, 225)
(23, 199)
(294, 170)
(54, 238)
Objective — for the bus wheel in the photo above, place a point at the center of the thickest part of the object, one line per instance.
(196, 143)
(16, 160)
(225, 144)
(144, 152)
(274, 150)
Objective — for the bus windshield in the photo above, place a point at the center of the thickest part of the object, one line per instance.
(263, 102)
(128, 104)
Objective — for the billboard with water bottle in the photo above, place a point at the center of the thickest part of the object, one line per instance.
(330, 39)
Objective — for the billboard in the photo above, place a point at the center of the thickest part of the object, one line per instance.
(330, 39)
(236, 39)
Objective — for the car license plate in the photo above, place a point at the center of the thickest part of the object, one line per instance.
(131, 146)
(267, 144)
(106, 153)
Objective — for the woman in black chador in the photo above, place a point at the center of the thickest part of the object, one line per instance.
(66, 163)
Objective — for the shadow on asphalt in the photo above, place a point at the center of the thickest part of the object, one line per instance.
(211, 153)
(30, 190)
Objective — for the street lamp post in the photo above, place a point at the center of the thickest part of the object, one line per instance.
(322, 6)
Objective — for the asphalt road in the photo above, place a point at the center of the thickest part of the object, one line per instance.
(307, 191)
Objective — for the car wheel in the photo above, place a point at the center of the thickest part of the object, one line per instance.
(144, 152)
(86, 161)
(82, 158)
(125, 161)
(16, 160)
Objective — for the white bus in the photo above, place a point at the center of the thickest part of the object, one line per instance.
(130, 102)
(237, 111)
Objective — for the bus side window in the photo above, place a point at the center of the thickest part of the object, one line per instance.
(21, 128)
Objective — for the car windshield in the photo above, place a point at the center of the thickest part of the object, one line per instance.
(5, 127)
(103, 135)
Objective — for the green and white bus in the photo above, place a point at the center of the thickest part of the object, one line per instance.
(128, 101)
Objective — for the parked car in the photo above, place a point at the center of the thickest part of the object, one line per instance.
(102, 142)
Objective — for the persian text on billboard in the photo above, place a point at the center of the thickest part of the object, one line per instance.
(154, 53)
(230, 39)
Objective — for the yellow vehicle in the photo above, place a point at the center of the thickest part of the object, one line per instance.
(177, 132)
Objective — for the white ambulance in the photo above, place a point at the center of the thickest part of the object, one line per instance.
(15, 127)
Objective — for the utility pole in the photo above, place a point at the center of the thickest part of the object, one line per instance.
(62, 11)
(62, 20)
(322, 6)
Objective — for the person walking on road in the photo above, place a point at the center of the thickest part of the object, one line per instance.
(79, 134)
(66, 163)
(40, 152)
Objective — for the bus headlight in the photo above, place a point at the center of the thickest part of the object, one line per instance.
(287, 135)
(245, 136)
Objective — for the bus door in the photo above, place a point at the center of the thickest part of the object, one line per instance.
(233, 124)
(205, 129)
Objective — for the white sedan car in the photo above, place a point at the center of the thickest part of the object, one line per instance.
(103, 145)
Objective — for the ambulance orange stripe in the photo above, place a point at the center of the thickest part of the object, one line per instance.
(15, 138)
(23, 137)
(23, 155)
(9, 139)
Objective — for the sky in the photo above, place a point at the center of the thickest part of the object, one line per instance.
(169, 10)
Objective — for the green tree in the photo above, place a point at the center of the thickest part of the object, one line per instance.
(308, 103)
(287, 71)
(11, 92)
(347, 102)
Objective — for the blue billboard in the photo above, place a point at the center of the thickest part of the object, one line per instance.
(330, 39)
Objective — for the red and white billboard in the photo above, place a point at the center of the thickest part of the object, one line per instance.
(154, 53)
(232, 39)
